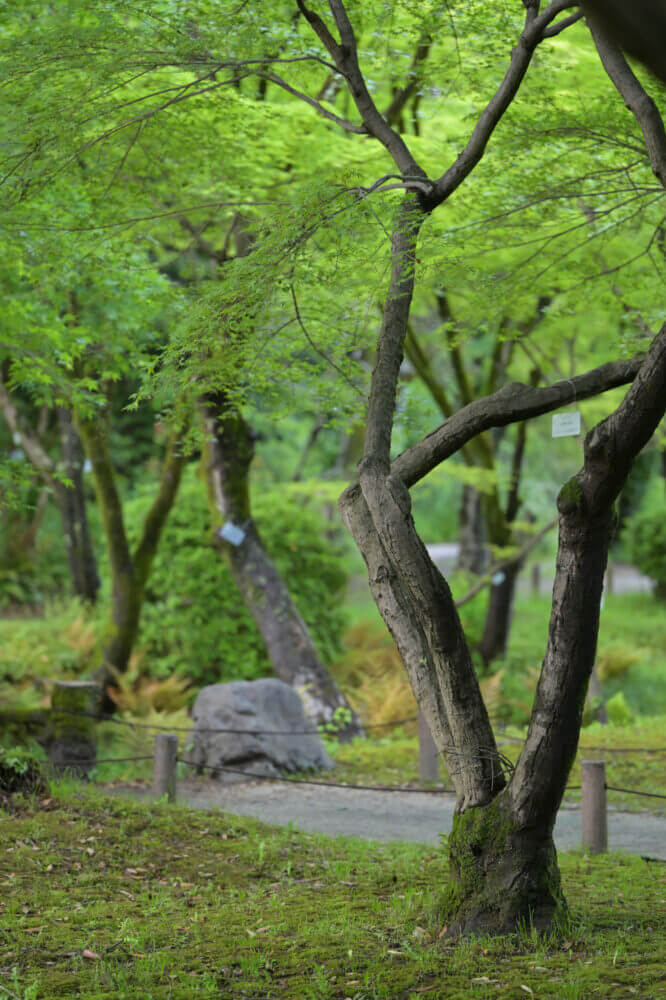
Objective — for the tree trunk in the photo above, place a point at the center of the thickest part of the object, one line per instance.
(501, 530)
(502, 858)
(72, 503)
(498, 616)
(288, 642)
(129, 571)
(472, 554)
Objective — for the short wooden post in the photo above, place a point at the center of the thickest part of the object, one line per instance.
(164, 772)
(428, 758)
(593, 806)
(71, 741)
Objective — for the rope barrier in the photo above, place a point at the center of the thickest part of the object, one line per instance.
(157, 727)
(324, 784)
(630, 791)
(93, 762)
(304, 781)
(234, 732)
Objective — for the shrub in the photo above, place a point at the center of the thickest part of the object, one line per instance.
(645, 538)
(619, 713)
(194, 622)
(20, 772)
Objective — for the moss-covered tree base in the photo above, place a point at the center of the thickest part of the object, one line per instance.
(503, 878)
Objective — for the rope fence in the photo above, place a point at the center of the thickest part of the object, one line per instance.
(73, 747)
(395, 723)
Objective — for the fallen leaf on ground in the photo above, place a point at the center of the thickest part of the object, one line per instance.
(87, 953)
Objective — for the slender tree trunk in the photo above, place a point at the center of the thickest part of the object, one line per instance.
(72, 503)
(129, 570)
(471, 534)
(498, 616)
(288, 642)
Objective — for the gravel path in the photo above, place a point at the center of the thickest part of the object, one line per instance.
(415, 816)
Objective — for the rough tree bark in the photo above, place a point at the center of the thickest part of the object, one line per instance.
(229, 454)
(502, 855)
(130, 570)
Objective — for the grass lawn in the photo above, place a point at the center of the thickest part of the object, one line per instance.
(109, 898)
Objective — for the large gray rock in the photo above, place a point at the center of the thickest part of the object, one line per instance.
(263, 710)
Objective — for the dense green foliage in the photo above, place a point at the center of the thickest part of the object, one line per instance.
(195, 623)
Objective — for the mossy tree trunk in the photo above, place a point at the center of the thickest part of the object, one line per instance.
(229, 454)
(130, 570)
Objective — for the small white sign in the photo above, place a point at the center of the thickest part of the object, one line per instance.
(498, 578)
(566, 424)
(232, 533)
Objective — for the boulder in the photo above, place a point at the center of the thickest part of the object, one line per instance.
(272, 733)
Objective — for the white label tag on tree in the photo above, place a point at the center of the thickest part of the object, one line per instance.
(566, 424)
(232, 533)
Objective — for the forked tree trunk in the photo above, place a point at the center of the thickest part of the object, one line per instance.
(290, 648)
(72, 503)
(503, 861)
(129, 570)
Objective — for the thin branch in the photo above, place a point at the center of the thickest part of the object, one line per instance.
(30, 444)
(535, 25)
(318, 350)
(560, 26)
(501, 564)
(634, 95)
(400, 99)
(319, 108)
(345, 57)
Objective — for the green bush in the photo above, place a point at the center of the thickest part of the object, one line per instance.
(194, 622)
(645, 538)
(20, 771)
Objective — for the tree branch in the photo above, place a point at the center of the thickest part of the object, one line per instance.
(486, 580)
(319, 108)
(513, 402)
(634, 95)
(345, 57)
(400, 99)
(533, 33)
(562, 25)
(41, 460)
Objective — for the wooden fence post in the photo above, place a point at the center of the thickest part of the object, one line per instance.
(164, 771)
(428, 758)
(593, 806)
(71, 740)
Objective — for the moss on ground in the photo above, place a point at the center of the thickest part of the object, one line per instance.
(114, 899)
